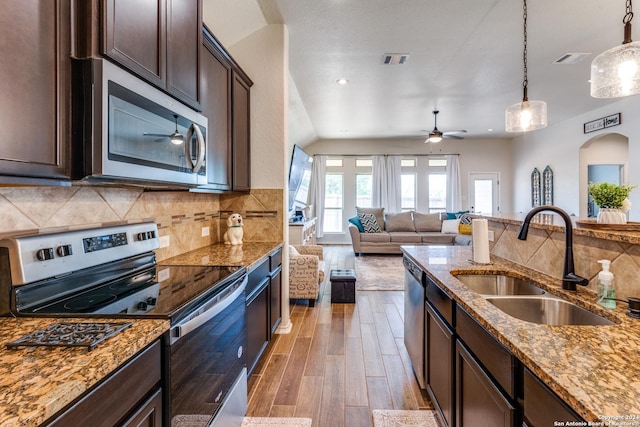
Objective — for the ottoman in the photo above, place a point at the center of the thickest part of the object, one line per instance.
(343, 286)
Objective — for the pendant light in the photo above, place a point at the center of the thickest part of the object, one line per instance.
(615, 72)
(526, 115)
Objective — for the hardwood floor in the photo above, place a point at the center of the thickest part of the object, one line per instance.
(340, 361)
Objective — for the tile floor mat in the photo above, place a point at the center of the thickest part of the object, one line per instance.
(273, 422)
(202, 420)
(398, 418)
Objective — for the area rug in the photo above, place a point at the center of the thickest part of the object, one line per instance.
(379, 273)
(397, 418)
(203, 421)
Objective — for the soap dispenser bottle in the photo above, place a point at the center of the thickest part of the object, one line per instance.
(605, 285)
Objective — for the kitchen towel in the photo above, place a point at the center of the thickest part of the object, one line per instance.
(480, 234)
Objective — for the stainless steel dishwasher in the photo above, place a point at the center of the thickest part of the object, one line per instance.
(414, 299)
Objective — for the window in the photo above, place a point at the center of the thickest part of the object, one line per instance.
(333, 203)
(437, 192)
(408, 163)
(363, 190)
(437, 162)
(334, 163)
(408, 193)
(364, 163)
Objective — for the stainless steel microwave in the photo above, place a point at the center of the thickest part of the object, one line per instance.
(128, 131)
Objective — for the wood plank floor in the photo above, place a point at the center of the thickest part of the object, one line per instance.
(340, 361)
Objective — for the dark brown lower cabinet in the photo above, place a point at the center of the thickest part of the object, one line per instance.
(439, 343)
(257, 323)
(479, 403)
(275, 297)
(541, 406)
(131, 396)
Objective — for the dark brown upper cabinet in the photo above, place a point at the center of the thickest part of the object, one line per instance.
(226, 103)
(157, 39)
(35, 85)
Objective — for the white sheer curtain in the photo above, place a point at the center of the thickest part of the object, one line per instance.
(454, 189)
(318, 173)
(378, 182)
(394, 184)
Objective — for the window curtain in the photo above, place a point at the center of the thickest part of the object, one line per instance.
(394, 184)
(317, 190)
(454, 189)
(379, 182)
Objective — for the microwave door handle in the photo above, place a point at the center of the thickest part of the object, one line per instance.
(195, 167)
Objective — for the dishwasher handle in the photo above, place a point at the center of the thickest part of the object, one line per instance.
(209, 310)
(414, 270)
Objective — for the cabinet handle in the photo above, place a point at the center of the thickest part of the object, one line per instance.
(194, 128)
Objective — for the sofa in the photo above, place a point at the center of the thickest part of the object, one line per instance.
(392, 230)
(306, 272)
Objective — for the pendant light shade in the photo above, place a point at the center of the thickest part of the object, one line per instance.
(616, 72)
(526, 115)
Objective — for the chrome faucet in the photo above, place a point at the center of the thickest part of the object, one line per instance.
(569, 278)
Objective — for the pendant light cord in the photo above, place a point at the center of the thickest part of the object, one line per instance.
(627, 23)
(525, 82)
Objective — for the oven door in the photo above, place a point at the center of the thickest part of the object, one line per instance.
(207, 366)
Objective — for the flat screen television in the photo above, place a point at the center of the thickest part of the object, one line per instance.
(299, 179)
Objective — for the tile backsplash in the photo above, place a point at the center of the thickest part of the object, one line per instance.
(181, 215)
(544, 251)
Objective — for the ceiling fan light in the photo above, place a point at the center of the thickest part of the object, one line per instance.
(434, 138)
(616, 72)
(176, 139)
(526, 116)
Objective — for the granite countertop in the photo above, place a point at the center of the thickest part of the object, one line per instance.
(629, 233)
(595, 369)
(219, 254)
(36, 382)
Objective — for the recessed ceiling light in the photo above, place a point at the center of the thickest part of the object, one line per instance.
(342, 81)
(489, 130)
(344, 130)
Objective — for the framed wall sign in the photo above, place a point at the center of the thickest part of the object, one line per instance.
(535, 188)
(601, 123)
(547, 186)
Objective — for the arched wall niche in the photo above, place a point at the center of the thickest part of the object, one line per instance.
(610, 149)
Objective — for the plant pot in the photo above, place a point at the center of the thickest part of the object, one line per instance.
(611, 216)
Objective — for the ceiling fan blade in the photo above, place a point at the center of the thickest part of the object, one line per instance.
(453, 132)
(156, 134)
(448, 136)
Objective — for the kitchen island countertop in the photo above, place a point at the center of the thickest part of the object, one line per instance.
(37, 382)
(594, 369)
(219, 254)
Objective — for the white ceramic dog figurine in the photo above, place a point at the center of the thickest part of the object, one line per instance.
(234, 233)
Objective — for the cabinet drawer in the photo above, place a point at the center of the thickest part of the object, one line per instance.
(496, 359)
(440, 301)
(257, 275)
(541, 406)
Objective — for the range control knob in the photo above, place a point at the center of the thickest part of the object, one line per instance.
(44, 254)
(64, 250)
(145, 235)
(142, 306)
(152, 301)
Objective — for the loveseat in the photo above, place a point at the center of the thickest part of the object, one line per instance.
(402, 228)
(306, 272)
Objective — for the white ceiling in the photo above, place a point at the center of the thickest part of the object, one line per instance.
(465, 59)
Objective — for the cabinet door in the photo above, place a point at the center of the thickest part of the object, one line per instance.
(184, 40)
(135, 36)
(241, 135)
(439, 360)
(274, 297)
(541, 405)
(35, 86)
(479, 403)
(216, 106)
(149, 414)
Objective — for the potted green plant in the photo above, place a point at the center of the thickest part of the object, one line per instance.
(613, 200)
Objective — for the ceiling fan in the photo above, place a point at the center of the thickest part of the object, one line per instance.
(176, 137)
(436, 135)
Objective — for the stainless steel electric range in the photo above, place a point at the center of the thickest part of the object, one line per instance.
(112, 272)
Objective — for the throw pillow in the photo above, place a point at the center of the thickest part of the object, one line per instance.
(400, 221)
(427, 222)
(454, 215)
(356, 221)
(369, 223)
(450, 226)
(377, 212)
(465, 224)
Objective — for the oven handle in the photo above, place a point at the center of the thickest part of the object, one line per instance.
(183, 329)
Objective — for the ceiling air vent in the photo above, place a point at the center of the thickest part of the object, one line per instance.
(395, 58)
(571, 58)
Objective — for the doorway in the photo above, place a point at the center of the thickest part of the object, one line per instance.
(484, 192)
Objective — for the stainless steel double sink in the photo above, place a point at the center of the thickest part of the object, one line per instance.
(522, 299)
